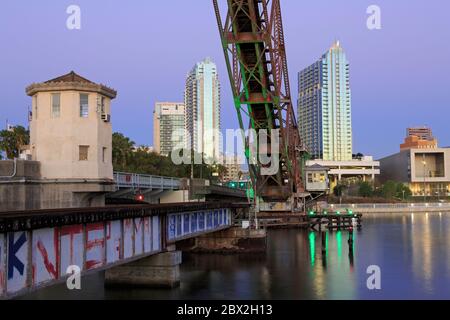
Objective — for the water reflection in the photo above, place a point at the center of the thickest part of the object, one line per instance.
(411, 250)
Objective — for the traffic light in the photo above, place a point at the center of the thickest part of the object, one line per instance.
(140, 197)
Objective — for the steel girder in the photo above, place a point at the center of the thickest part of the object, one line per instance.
(253, 43)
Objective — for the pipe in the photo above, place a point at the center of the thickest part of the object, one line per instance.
(14, 171)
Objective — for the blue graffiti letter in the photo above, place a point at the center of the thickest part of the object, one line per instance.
(13, 248)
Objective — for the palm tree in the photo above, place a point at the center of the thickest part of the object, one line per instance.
(122, 150)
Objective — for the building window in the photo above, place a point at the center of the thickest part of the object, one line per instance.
(104, 154)
(83, 153)
(36, 106)
(102, 106)
(84, 105)
(56, 105)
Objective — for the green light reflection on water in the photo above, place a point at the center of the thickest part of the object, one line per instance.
(339, 244)
(312, 248)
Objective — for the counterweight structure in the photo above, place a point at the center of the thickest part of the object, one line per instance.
(253, 42)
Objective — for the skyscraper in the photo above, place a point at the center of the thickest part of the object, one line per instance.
(202, 101)
(168, 127)
(324, 106)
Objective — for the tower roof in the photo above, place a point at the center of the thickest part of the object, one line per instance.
(70, 77)
(68, 82)
(336, 44)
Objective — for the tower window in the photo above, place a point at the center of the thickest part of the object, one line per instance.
(84, 105)
(56, 105)
(83, 153)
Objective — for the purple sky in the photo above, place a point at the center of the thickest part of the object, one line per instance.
(144, 48)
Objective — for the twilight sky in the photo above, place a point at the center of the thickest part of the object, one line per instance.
(144, 49)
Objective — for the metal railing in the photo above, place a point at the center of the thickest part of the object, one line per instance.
(141, 181)
(390, 205)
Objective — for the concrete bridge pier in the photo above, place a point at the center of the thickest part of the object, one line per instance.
(230, 241)
(158, 271)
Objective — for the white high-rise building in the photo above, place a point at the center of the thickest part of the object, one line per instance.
(202, 103)
(324, 106)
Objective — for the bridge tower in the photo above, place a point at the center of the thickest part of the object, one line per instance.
(253, 43)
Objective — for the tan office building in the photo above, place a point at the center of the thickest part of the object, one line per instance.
(425, 171)
(233, 165)
(168, 127)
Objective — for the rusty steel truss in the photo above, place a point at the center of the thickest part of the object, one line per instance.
(253, 43)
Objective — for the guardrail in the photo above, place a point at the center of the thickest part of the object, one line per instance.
(138, 181)
(390, 205)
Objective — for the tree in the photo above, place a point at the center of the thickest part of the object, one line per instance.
(392, 189)
(339, 190)
(403, 192)
(122, 150)
(358, 156)
(11, 141)
(389, 190)
(140, 160)
(365, 190)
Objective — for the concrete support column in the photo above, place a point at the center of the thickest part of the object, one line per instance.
(158, 271)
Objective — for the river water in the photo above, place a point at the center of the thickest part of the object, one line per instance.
(411, 250)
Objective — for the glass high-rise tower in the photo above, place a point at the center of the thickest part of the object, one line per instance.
(202, 102)
(324, 106)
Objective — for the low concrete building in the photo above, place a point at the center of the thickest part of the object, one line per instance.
(317, 179)
(425, 171)
(70, 148)
(352, 171)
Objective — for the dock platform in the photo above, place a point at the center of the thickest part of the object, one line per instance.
(315, 221)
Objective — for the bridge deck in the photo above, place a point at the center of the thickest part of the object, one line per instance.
(38, 247)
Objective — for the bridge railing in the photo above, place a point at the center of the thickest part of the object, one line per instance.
(136, 181)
